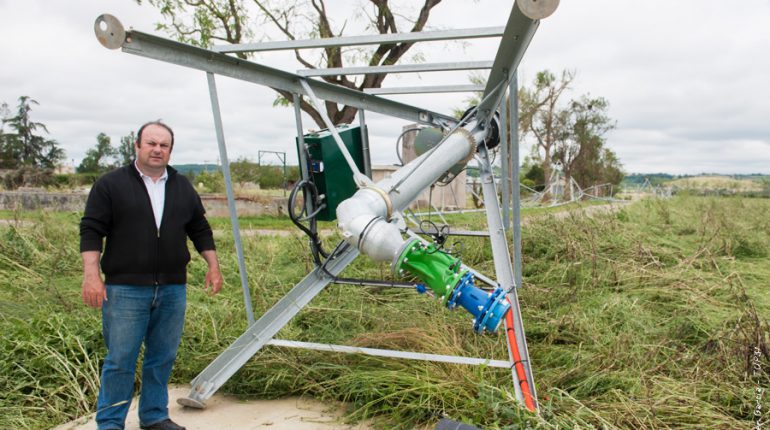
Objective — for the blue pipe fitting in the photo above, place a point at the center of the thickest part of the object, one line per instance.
(488, 309)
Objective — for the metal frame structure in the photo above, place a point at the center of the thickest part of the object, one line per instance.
(522, 24)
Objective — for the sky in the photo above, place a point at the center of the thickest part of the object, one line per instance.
(687, 81)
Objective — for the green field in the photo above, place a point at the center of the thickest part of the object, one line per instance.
(653, 316)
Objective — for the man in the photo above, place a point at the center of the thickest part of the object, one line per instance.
(146, 211)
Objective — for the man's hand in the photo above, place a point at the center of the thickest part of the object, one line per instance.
(214, 279)
(94, 291)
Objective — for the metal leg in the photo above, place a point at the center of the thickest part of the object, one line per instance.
(503, 271)
(505, 173)
(515, 173)
(365, 144)
(258, 334)
(230, 196)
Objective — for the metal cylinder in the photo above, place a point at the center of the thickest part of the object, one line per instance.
(404, 185)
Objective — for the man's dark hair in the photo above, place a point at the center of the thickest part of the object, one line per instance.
(158, 123)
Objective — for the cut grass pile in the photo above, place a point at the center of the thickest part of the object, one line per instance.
(651, 317)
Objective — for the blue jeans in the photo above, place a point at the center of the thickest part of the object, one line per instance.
(132, 315)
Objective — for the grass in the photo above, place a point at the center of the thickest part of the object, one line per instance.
(717, 182)
(643, 318)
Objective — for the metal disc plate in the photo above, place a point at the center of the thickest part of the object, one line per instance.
(109, 31)
(191, 403)
(537, 9)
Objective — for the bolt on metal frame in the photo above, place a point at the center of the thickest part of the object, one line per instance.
(261, 332)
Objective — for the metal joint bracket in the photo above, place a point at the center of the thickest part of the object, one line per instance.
(385, 197)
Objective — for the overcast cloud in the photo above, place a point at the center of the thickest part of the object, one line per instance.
(687, 81)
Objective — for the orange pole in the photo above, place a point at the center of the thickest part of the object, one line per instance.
(529, 402)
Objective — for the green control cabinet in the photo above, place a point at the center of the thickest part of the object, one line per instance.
(328, 169)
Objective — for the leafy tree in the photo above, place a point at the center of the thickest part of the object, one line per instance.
(242, 170)
(533, 171)
(542, 116)
(571, 133)
(201, 22)
(97, 158)
(212, 182)
(126, 151)
(22, 146)
(581, 150)
(5, 154)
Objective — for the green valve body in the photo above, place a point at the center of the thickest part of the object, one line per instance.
(440, 271)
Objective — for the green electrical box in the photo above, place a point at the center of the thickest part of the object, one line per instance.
(328, 169)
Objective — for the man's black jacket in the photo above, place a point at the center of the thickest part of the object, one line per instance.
(137, 252)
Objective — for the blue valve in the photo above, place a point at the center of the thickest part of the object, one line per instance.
(488, 309)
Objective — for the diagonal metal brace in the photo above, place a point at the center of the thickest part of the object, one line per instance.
(504, 272)
(262, 331)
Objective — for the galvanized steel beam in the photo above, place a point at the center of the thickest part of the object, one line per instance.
(389, 353)
(169, 51)
(258, 334)
(230, 195)
(426, 89)
(397, 68)
(504, 272)
(374, 39)
(518, 33)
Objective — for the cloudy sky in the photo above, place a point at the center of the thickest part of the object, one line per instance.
(688, 81)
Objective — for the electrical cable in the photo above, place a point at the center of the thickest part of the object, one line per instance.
(465, 120)
(309, 191)
(398, 141)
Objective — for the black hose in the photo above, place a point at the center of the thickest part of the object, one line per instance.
(310, 191)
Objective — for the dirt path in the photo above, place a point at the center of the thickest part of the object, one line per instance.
(229, 413)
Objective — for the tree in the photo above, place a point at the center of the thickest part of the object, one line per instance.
(580, 150)
(97, 158)
(242, 171)
(533, 171)
(23, 147)
(5, 153)
(126, 151)
(200, 22)
(571, 133)
(541, 115)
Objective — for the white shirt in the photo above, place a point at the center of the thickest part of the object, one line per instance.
(157, 192)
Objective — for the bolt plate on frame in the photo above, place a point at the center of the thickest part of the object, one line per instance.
(537, 9)
(109, 31)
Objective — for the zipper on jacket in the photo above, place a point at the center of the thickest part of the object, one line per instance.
(157, 256)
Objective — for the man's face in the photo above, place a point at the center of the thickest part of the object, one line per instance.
(154, 150)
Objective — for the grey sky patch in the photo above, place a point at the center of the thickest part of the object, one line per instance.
(686, 80)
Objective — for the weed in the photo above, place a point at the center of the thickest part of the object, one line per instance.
(646, 318)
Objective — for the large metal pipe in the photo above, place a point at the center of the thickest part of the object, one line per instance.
(364, 218)
(365, 223)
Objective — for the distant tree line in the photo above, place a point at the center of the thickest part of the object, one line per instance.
(242, 172)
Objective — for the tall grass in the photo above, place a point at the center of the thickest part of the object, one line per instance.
(648, 317)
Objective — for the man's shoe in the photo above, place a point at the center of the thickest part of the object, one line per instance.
(163, 425)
